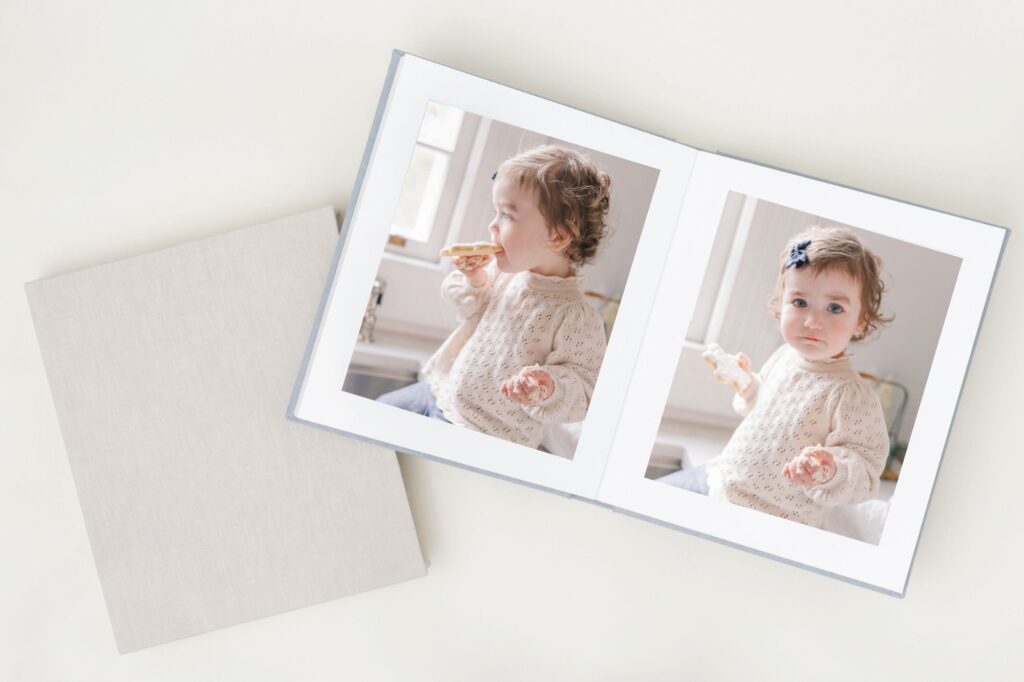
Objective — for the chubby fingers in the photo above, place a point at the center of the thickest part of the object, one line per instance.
(803, 479)
(514, 390)
(797, 472)
(519, 389)
(539, 384)
(508, 388)
(793, 473)
(810, 468)
(529, 386)
(822, 457)
(825, 463)
(743, 361)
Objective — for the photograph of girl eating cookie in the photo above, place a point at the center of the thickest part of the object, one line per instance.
(820, 438)
(529, 346)
(531, 295)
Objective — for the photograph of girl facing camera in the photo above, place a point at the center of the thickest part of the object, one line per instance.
(813, 435)
(528, 346)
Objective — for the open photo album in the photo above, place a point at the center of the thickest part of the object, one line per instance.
(758, 357)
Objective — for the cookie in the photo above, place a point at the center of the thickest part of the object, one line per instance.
(471, 249)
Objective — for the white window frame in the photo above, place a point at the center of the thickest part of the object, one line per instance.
(458, 159)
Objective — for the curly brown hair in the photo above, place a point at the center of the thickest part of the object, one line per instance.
(836, 248)
(572, 194)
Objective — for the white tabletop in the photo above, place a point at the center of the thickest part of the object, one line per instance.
(126, 127)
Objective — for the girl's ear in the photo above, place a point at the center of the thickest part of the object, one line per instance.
(560, 240)
(859, 331)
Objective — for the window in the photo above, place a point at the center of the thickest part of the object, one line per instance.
(432, 182)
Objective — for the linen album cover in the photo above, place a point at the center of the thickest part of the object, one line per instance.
(206, 507)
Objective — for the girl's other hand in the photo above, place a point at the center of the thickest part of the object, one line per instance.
(811, 467)
(531, 385)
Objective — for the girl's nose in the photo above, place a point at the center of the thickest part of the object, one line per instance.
(811, 321)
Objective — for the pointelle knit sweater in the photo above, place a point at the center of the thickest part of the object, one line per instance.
(793, 404)
(511, 322)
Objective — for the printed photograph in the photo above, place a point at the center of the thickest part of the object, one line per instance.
(498, 290)
(800, 377)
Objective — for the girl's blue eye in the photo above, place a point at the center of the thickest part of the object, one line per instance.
(799, 303)
(835, 308)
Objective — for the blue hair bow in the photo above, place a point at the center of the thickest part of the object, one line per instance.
(798, 255)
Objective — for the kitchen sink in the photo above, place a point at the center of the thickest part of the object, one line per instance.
(373, 382)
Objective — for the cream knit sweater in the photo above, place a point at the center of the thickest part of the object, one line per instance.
(511, 322)
(792, 404)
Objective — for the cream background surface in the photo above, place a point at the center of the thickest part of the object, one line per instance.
(127, 127)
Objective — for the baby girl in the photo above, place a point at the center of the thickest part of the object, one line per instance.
(528, 347)
(814, 434)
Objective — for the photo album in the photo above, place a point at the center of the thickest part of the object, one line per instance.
(761, 358)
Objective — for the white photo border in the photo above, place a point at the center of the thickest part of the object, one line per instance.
(885, 567)
(319, 398)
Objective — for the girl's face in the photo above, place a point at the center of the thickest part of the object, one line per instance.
(520, 228)
(821, 312)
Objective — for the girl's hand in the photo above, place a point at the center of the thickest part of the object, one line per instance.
(811, 467)
(473, 267)
(743, 361)
(531, 385)
(733, 370)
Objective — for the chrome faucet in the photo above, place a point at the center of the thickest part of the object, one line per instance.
(370, 316)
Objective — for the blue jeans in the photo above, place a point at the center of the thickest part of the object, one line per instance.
(415, 398)
(695, 479)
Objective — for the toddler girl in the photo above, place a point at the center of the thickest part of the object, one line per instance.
(528, 347)
(814, 434)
